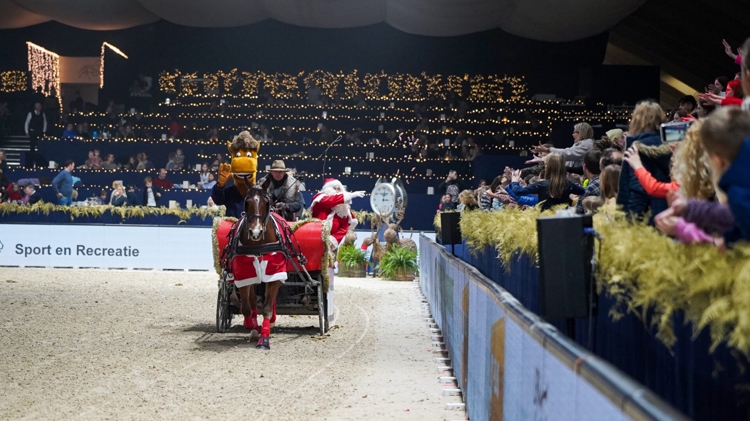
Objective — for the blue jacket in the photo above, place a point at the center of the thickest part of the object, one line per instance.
(631, 195)
(63, 183)
(736, 184)
(230, 197)
(541, 189)
(522, 200)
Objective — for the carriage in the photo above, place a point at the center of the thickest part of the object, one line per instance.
(307, 288)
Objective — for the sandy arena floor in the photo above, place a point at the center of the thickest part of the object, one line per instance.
(94, 344)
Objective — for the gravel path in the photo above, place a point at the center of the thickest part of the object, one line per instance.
(94, 344)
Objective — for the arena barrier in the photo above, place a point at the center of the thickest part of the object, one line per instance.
(183, 247)
(511, 365)
(106, 246)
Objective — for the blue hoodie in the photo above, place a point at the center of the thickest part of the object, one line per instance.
(736, 184)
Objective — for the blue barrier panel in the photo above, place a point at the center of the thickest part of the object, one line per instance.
(512, 365)
(696, 382)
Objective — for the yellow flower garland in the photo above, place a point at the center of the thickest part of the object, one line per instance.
(98, 211)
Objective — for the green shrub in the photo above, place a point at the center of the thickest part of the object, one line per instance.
(404, 258)
(351, 256)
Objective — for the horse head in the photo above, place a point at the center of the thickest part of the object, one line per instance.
(257, 212)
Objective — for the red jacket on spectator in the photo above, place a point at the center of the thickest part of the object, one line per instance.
(652, 187)
(175, 128)
(13, 196)
(731, 101)
(164, 184)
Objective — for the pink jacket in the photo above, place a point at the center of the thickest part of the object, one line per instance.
(687, 233)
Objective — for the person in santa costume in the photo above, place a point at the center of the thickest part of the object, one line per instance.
(333, 203)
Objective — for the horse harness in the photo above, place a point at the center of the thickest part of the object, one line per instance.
(287, 243)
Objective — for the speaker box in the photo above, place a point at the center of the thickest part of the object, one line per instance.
(450, 230)
(565, 254)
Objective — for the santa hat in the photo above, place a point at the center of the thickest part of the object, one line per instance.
(330, 183)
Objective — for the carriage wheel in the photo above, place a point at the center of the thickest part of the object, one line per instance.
(322, 317)
(223, 315)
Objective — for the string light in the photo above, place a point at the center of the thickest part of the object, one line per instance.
(13, 81)
(101, 60)
(168, 81)
(189, 85)
(346, 86)
(44, 66)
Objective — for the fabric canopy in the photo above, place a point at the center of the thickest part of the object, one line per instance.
(544, 20)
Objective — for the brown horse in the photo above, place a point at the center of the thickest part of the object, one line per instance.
(259, 238)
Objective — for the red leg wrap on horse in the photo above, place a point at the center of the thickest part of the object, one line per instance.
(273, 315)
(266, 330)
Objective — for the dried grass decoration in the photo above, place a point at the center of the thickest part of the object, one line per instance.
(125, 213)
(646, 272)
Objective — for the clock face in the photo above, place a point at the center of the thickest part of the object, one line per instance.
(383, 199)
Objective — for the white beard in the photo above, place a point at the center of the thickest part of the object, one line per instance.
(341, 210)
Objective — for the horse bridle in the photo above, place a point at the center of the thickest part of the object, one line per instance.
(263, 194)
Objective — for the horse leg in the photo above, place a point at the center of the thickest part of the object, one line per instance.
(272, 289)
(273, 315)
(249, 307)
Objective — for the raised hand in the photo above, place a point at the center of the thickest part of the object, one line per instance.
(728, 49)
(225, 171)
(633, 158)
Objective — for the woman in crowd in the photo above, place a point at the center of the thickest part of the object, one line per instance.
(555, 189)
(170, 163)
(132, 164)
(644, 130)
(118, 197)
(203, 174)
(733, 97)
(583, 140)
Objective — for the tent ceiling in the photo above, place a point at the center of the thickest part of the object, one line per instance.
(544, 20)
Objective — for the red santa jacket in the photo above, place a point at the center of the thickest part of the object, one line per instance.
(322, 208)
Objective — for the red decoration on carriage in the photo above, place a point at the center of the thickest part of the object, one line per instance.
(305, 291)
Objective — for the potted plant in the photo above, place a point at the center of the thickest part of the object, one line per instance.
(352, 262)
(399, 264)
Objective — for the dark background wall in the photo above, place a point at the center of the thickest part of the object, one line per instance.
(274, 46)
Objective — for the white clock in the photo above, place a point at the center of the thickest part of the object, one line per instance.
(383, 199)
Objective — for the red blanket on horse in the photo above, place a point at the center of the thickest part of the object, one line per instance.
(309, 235)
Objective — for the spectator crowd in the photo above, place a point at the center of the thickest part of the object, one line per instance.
(692, 187)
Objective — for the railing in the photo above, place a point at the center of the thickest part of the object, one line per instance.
(512, 365)
(704, 385)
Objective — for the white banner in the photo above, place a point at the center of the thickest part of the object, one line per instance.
(106, 246)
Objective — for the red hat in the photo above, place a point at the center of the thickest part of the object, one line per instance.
(328, 180)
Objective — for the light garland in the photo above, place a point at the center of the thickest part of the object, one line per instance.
(44, 66)
(168, 81)
(13, 81)
(399, 86)
(189, 85)
(101, 60)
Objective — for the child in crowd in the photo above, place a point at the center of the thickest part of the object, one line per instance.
(179, 159)
(446, 204)
(96, 161)
(14, 193)
(468, 201)
(725, 135)
(555, 189)
(102, 199)
(726, 138)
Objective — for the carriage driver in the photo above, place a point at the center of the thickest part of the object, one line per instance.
(283, 191)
